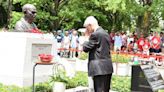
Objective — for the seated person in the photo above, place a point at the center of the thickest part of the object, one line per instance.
(123, 49)
(130, 47)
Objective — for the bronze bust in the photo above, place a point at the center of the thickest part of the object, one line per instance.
(26, 24)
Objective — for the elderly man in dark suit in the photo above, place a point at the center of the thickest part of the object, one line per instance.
(99, 66)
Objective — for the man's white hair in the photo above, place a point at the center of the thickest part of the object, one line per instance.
(90, 20)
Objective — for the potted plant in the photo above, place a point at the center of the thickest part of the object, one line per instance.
(82, 62)
(120, 63)
(59, 80)
(83, 56)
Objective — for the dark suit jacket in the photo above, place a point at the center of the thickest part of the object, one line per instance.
(99, 53)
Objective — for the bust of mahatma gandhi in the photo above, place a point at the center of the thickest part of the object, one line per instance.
(26, 24)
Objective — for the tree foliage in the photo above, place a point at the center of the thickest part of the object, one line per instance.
(117, 15)
(5, 8)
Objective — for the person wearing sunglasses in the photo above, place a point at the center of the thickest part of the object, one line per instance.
(26, 23)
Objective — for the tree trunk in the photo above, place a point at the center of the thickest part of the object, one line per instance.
(143, 22)
(139, 24)
(58, 5)
(146, 23)
(56, 22)
(3, 16)
(9, 11)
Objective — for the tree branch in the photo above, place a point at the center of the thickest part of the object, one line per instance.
(61, 19)
(62, 3)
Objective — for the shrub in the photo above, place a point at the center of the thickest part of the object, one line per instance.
(121, 84)
(59, 77)
(80, 79)
(13, 88)
(15, 17)
(83, 56)
(43, 87)
(120, 58)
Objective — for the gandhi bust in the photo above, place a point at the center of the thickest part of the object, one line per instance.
(26, 24)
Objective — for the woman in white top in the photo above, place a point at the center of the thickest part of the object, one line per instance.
(66, 44)
(74, 44)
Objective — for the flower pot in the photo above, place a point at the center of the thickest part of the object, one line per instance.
(45, 57)
(82, 65)
(59, 87)
(114, 68)
(122, 69)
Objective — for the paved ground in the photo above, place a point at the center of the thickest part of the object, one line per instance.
(82, 89)
(161, 70)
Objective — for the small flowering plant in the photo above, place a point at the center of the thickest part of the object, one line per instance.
(59, 76)
(120, 58)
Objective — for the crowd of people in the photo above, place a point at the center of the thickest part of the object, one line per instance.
(70, 42)
(137, 43)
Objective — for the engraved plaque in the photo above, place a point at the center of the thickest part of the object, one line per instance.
(40, 49)
(153, 76)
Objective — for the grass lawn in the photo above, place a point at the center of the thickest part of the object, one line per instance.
(119, 84)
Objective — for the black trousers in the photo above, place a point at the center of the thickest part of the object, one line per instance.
(102, 83)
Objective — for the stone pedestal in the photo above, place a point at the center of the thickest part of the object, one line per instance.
(19, 52)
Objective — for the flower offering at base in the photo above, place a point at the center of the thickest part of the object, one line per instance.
(45, 57)
(35, 30)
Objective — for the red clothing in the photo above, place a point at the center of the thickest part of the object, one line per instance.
(156, 42)
(146, 46)
(140, 43)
